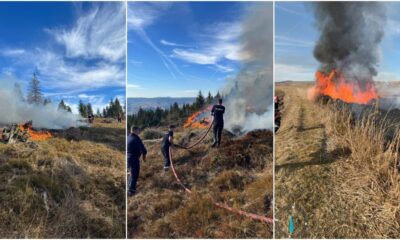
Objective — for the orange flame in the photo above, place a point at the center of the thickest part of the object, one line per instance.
(195, 120)
(336, 86)
(35, 135)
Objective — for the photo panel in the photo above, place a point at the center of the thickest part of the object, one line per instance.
(62, 120)
(337, 112)
(200, 116)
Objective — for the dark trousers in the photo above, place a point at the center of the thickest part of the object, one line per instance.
(165, 153)
(217, 130)
(134, 165)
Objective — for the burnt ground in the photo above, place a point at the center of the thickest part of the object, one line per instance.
(335, 177)
(239, 173)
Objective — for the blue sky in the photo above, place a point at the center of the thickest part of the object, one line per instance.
(295, 36)
(78, 49)
(177, 49)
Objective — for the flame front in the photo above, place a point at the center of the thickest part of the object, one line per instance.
(35, 135)
(200, 119)
(336, 86)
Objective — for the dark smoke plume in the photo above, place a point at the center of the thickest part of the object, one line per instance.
(350, 35)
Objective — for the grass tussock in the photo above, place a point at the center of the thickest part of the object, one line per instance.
(238, 173)
(371, 168)
(63, 187)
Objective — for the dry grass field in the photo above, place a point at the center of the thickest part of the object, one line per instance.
(335, 174)
(69, 186)
(239, 173)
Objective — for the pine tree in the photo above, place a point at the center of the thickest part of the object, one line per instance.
(82, 109)
(89, 109)
(209, 98)
(61, 105)
(35, 95)
(46, 101)
(98, 113)
(218, 96)
(199, 103)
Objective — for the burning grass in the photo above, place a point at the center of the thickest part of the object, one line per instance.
(239, 173)
(65, 188)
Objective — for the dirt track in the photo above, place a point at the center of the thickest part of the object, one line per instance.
(315, 180)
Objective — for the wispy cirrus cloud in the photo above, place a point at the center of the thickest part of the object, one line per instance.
(140, 16)
(98, 34)
(172, 44)
(11, 52)
(92, 55)
(216, 45)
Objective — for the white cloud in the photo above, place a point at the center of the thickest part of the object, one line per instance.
(141, 15)
(11, 52)
(100, 33)
(75, 75)
(168, 43)
(220, 42)
(133, 86)
(194, 57)
(93, 57)
(224, 69)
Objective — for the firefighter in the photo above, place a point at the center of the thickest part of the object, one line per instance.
(217, 112)
(136, 149)
(119, 117)
(167, 141)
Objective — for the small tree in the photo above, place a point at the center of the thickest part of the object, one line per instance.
(199, 103)
(82, 109)
(46, 101)
(209, 98)
(35, 95)
(89, 109)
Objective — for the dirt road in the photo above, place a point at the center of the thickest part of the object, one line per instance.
(316, 181)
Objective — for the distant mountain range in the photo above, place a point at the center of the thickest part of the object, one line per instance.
(134, 104)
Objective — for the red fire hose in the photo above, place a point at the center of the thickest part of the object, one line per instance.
(201, 139)
(221, 205)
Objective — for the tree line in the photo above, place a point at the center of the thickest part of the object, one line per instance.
(175, 114)
(35, 96)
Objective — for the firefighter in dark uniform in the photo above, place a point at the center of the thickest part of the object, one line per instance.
(136, 149)
(166, 143)
(217, 112)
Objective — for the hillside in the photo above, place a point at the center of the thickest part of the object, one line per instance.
(152, 103)
(239, 173)
(334, 174)
(69, 186)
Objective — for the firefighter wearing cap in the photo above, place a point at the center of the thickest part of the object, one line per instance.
(136, 149)
(217, 112)
(166, 143)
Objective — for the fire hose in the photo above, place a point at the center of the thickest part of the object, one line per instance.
(220, 205)
(201, 139)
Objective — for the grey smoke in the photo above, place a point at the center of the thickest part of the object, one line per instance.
(253, 85)
(13, 109)
(350, 33)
